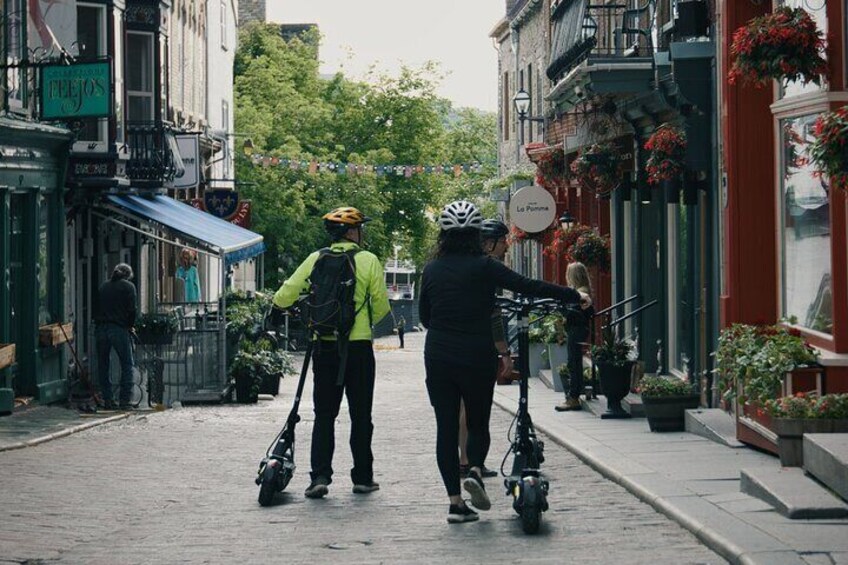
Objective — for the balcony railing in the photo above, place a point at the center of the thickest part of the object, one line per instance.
(583, 30)
(153, 155)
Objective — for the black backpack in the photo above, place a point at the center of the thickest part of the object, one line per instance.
(329, 309)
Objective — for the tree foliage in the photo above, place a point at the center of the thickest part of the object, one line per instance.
(290, 111)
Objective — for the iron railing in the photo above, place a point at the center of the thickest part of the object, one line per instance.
(152, 152)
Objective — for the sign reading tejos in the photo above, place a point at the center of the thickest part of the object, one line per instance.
(532, 209)
(76, 90)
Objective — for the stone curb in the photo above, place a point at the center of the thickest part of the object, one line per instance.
(64, 433)
(712, 539)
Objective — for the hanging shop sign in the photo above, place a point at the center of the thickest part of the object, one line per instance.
(76, 90)
(189, 150)
(225, 204)
(532, 209)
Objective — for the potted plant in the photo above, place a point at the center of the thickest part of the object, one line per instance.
(799, 414)
(591, 249)
(553, 326)
(551, 169)
(257, 368)
(667, 146)
(829, 151)
(783, 45)
(665, 400)
(614, 358)
(596, 168)
(538, 351)
(157, 329)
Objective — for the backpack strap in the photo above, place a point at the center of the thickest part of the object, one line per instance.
(342, 342)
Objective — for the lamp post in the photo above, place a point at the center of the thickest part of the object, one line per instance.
(566, 222)
(521, 100)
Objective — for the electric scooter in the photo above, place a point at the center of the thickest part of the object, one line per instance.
(526, 483)
(277, 467)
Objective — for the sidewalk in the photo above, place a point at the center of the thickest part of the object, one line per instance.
(37, 424)
(689, 478)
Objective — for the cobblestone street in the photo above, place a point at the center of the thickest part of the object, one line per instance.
(177, 487)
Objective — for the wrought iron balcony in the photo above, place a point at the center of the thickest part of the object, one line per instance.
(583, 31)
(154, 158)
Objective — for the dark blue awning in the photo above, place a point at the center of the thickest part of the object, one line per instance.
(231, 242)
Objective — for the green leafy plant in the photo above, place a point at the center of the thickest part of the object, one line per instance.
(809, 406)
(553, 328)
(667, 146)
(613, 350)
(663, 387)
(153, 323)
(259, 359)
(536, 334)
(564, 372)
(758, 357)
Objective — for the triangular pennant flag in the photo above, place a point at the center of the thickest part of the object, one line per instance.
(313, 167)
(457, 170)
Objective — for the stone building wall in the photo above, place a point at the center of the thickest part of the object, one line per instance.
(252, 11)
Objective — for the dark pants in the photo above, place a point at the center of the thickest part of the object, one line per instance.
(400, 336)
(109, 336)
(327, 398)
(576, 337)
(447, 383)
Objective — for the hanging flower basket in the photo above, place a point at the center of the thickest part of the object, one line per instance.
(783, 45)
(551, 172)
(596, 168)
(581, 243)
(829, 151)
(668, 149)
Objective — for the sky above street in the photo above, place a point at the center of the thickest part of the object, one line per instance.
(394, 32)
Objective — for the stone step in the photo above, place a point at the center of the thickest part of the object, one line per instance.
(632, 404)
(792, 493)
(714, 424)
(826, 458)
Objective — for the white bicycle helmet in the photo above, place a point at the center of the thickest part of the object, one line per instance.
(460, 214)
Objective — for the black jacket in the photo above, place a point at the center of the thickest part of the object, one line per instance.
(457, 299)
(116, 304)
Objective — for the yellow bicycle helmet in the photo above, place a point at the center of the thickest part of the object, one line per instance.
(346, 215)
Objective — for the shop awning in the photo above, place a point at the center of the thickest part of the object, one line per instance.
(231, 242)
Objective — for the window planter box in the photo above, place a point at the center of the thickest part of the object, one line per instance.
(790, 436)
(52, 335)
(7, 354)
(666, 414)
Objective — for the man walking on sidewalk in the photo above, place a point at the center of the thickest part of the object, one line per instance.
(343, 364)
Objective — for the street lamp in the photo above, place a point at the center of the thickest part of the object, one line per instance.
(521, 101)
(566, 221)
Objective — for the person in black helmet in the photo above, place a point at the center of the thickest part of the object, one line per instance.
(458, 289)
(493, 237)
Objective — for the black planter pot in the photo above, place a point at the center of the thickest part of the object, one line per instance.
(270, 384)
(672, 190)
(246, 391)
(151, 338)
(666, 414)
(615, 384)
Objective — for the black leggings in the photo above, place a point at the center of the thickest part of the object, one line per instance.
(447, 383)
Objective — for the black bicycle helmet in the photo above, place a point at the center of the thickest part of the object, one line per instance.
(493, 229)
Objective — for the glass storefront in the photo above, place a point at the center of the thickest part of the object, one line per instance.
(806, 293)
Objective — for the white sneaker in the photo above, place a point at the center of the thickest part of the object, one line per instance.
(458, 514)
(473, 485)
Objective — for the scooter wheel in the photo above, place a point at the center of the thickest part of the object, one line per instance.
(268, 487)
(531, 517)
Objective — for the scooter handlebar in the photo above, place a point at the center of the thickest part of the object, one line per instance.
(545, 305)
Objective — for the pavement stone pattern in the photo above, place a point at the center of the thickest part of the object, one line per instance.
(177, 487)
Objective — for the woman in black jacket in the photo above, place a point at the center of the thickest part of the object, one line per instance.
(457, 297)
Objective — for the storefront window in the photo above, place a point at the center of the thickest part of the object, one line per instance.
(818, 11)
(682, 290)
(140, 77)
(805, 229)
(44, 316)
(15, 52)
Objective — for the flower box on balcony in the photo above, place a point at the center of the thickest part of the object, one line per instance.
(52, 335)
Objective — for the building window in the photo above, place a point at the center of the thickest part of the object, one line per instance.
(223, 24)
(91, 42)
(818, 11)
(507, 100)
(141, 91)
(806, 291)
(16, 52)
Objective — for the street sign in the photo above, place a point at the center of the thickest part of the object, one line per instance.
(76, 90)
(189, 146)
(532, 209)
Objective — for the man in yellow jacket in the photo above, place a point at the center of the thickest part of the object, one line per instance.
(345, 226)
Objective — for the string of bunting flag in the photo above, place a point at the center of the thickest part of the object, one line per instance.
(314, 166)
